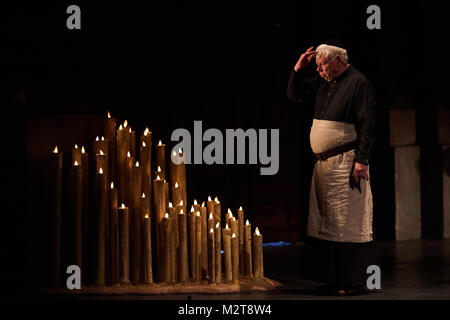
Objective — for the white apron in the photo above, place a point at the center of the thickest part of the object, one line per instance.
(336, 212)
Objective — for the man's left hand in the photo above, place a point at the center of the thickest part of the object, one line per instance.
(360, 171)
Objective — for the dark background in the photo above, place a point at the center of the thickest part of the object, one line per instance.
(225, 63)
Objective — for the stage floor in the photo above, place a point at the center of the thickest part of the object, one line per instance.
(414, 269)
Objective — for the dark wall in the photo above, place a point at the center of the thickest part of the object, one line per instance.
(227, 63)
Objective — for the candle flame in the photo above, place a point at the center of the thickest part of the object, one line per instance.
(137, 164)
(146, 131)
(176, 184)
(195, 202)
(229, 211)
(112, 185)
(166, 216)
(217, 225)
(216, 199)
(128, 154)
(158, 178)
(146, 216)
(174, 153)
(101, 152)
(234, 235)
(257, 231)
(103, 138)
(82, 149)
(75, 163)
(209, 198)
(240, 208)
(159, 143)
(159, 169)
(181, 202)
(170, 205)
(211, 215)
(97, 139)
(100, 171)
(226, 226)
(123, 206)
(55, 150)
(211, 230)
(129, 130)
(179, 150)
(143, 144)
(198, 213)
(76, 146)
(234, 219)
(125, 123)
(247, 223)
(203, 204)
(120, 127)
(192, 209)
(143, 195)
(109, 115)
(181, 211)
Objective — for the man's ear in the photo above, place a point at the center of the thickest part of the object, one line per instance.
(338, 58)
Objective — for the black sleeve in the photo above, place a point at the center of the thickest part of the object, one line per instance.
(365, 115)
(300, 87)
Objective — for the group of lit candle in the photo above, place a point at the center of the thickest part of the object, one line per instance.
(188, 245)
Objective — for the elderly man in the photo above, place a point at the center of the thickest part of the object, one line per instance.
(342, 138)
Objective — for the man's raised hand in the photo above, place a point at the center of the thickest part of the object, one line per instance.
(305, 59)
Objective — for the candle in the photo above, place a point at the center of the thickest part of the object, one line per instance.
(210, 206)
(191, 222)
(176, 193)
(121, 155)
(55, 190)
(166, 248)
(218, 258)
(113, 234)
(198, 245)
(173, 219)
(234, 226)
(257, 255)
(183, 254)
(211, 223)
(248, 249)
(132, 142)
(148, 250)
(144, 211)
(241, 241)
(85, 216)
(217, 210)
(110, 135)
(178, 173)
(76, 205)
(128, 182)
(160, 155)
(76, 155)
(159, 200)
(136, 222)
(227, 253)
(204, 258)
(211, 256)
(235, 258)
(229, 217)
(146, 162)
(124, 255)
(101, 192)
(101, 161)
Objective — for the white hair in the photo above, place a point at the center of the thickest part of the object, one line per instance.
(329, 52)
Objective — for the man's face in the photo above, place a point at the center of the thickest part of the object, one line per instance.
(326, 68)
